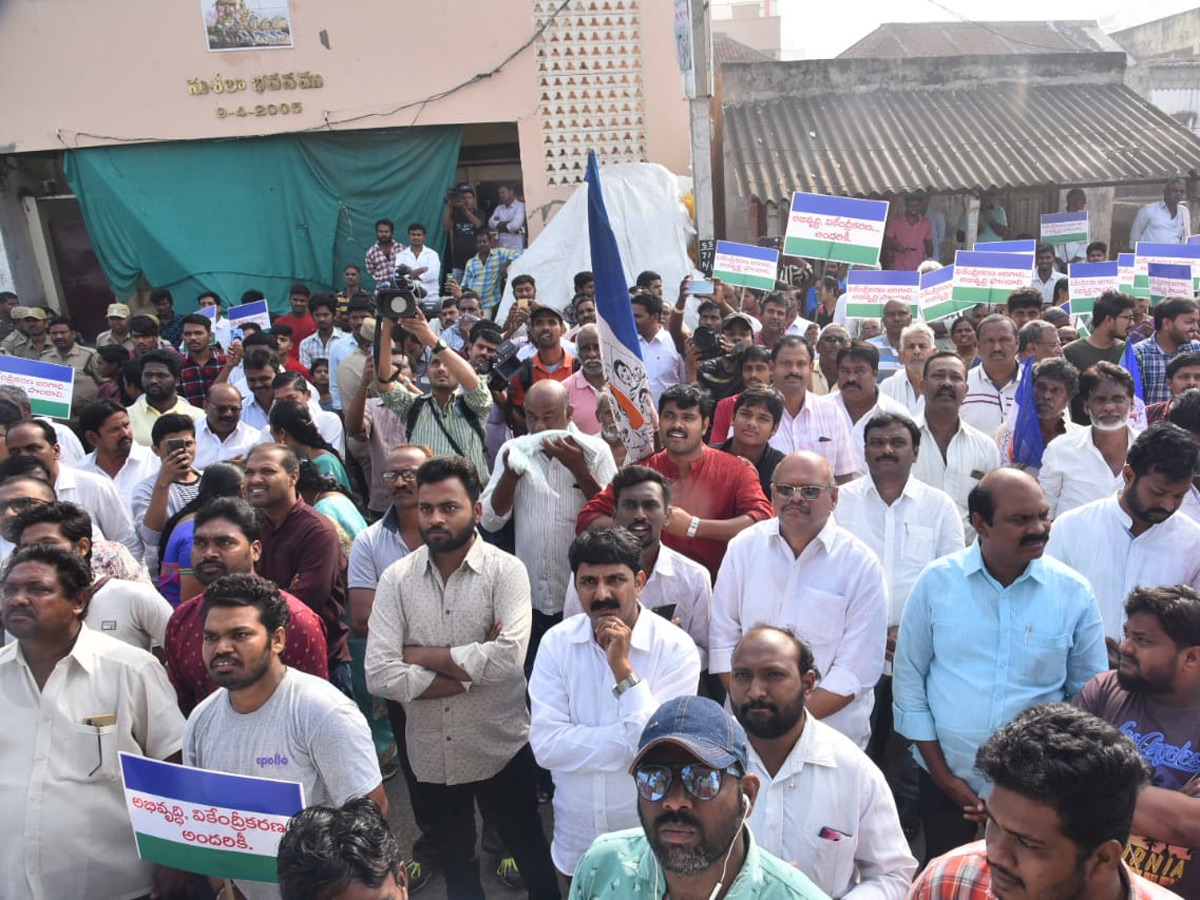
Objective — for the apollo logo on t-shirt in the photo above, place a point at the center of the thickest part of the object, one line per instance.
(275, 761)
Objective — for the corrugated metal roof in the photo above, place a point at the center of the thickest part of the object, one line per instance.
(1006, 136)
(911, 39)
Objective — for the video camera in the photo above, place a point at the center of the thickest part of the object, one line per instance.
(403, 298)
(708, 342)
(502, 368)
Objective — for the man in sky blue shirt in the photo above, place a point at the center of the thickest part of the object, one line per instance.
(988, 631)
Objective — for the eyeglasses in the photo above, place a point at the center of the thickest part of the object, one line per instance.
(20, 504)
(392, 477)
(807, 491)
(834, 339)
(701, 781)
(1128, 317)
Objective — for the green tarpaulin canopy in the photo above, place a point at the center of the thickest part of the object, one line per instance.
(260, 213)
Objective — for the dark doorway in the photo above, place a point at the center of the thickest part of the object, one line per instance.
(85, 291)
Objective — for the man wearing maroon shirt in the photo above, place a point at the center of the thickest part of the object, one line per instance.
(226, 542)
(301, 552)
(300, 320)
(716, 495)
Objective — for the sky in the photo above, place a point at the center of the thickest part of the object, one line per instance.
(821, 30)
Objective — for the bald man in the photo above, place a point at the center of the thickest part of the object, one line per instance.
(988, 631)
(801, 570)
(222, 434)
(541, 481)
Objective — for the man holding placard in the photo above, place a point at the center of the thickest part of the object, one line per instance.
(1068, 231)
(73, 699)
(270, 720)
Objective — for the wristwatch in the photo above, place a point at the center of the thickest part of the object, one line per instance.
(693, 526)
(625, 684)
(440, 346)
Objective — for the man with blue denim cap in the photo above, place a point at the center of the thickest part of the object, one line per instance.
(694, 796)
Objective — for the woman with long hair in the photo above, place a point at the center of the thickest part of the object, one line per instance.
(175, 579)
(292, 424)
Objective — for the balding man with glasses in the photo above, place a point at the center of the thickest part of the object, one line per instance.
(802, 571)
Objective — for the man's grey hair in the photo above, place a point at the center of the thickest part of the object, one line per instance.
(916, 328)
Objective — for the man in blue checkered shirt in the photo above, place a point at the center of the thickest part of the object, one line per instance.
(484, 273)
(1176, 327)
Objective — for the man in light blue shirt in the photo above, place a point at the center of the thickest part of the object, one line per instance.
(988, 631)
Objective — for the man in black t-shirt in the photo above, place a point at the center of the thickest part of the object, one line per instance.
(460, 219)
(1154, 698)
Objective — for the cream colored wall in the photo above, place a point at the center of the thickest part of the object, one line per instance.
(75, 73)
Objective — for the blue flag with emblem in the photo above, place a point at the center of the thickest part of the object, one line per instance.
(1027, 442)
(624, 371)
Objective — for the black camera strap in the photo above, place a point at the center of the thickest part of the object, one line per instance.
(414, 413)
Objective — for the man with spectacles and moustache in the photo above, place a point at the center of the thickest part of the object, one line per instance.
(803, 571)
(694, 796)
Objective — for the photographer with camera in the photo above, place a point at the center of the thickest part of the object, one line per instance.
(461, 219)
(441, 419)
(713, 361)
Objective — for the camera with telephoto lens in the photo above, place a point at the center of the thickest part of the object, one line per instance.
(502, 367)
(403, 298)
(707, 341)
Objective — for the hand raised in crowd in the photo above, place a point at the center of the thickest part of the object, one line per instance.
(419, 328)
(235, 355)
(175, 466)
(453, 288)
(614, 637)
(517, 316)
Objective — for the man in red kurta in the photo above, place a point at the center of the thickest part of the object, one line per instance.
(716, 495)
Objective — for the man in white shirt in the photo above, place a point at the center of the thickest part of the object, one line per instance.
(858, 396)
(677, 588)
(508, 220)
(72, 700)
(541, 485)
(992, 384)
(956, 455)
(803, 571)
(597, 680)
(809, 422)
(130, 611)
(424, 262)
(294, 386)
(222, 434)
(823, 805)
(907, 387)
(105, 424)
(1135, 539)
(1166, 221)
(93, 492)
(1086, 465)
(664, 365)
(358, 311)
(1045, 276)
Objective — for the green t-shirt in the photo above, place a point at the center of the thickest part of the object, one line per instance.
(621, 866)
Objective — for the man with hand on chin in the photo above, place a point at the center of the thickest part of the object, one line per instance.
(988, 631)
(695, 793)
(616, 648)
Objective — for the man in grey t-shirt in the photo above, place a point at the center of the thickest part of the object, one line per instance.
(268, 720)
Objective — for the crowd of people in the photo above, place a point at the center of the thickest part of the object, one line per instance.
(840, 619)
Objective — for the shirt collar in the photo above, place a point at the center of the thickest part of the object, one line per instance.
(84, 651)
(809, 748)
(826, 535)
(748, 883)
(973, 562)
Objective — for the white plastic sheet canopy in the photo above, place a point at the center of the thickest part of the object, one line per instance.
(648, 217)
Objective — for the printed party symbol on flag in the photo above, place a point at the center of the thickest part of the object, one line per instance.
(619, 348)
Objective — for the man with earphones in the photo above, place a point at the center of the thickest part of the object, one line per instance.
(695, 793)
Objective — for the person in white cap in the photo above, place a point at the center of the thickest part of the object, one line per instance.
(118, 327)
(31, 340)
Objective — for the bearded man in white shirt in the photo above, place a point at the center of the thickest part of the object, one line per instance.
(1135, 539)
(823, 805)
(803, 571)
(599, 677)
